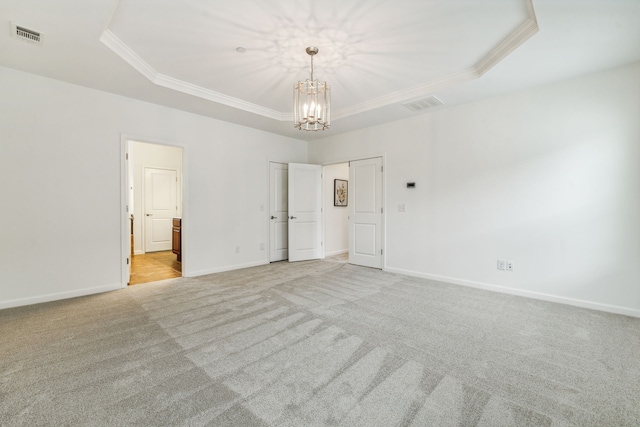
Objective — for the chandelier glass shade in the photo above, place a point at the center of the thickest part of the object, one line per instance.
(312, 102)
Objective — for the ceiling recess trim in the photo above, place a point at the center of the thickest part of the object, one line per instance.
(514, 40)
(132, 58)
(407, 94)
(523, 33)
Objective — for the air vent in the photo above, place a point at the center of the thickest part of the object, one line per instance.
(26, 34)
(423, 104)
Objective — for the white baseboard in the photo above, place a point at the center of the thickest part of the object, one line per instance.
(223, 269)
(341, 251)
(523, 293)
(479, 285)
(58, 296)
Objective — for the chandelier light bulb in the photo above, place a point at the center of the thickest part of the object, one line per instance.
(312, 102)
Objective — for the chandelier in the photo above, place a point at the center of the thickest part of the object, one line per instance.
(312, 102)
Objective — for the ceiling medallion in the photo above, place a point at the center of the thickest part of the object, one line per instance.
(312, 102)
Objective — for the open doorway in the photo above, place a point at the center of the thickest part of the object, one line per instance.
(362, 215)
(336, 211)
(155, 211)
(353, 227)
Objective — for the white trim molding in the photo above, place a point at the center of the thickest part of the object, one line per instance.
(521, 292)
(411, 93)
(223, 269)
(338, 252)
(512, 41)
(120, 48)
(59, 296)
(523, 33)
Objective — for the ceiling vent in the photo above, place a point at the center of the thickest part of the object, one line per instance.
(26, 34)
(423, 104)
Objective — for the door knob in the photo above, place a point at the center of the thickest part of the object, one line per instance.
(293, 217)
(273, 217)
(149, 214)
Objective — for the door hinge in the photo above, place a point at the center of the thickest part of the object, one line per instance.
(127, 261)
(126, 156)
(381, 251)
(381, 168)
(127, 209)
(381, 210)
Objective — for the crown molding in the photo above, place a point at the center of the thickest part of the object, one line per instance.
(220, 98)
(407, 94)
(523, 33)
(514, 40)
(517, 38)
(129, 55)
(112, 41)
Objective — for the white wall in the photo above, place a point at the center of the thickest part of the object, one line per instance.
(336, 218)
(547, 178)
(144, 155)
(60, 163)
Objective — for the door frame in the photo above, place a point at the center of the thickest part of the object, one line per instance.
(126, 141)
(335, 161)
(267, 211)
(384, 198)
(267, 233)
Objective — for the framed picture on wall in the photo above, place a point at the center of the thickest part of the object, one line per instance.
(340, 189)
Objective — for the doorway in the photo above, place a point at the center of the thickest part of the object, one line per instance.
(336, 214)
(295, 212)
(154, 194)
(352, 231)
(355, 228)
(278, 211)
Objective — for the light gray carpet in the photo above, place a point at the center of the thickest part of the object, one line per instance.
(317, 343)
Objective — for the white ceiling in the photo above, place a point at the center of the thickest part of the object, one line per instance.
(375, 54)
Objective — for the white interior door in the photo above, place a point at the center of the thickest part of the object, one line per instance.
(278, 212)
(305, 212)
(160, 206)
(365, 212)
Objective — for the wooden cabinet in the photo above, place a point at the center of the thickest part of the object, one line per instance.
(176, 238)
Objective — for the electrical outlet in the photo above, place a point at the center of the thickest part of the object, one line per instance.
(237, 249)
(501, 264)
(509, 265)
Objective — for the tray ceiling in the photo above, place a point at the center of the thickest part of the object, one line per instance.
(376, 55)
(371, 53)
